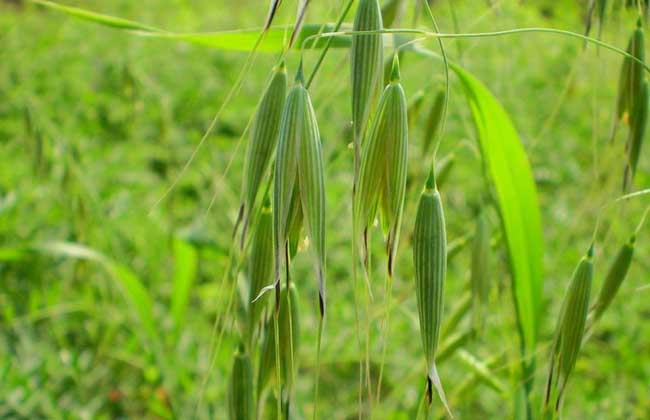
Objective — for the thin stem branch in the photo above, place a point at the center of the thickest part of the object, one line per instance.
(446, 62)
(506, 32)
(328, 44)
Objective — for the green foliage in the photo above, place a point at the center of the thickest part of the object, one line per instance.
(96, 124)
(237, 40)
(185, 267)
(507, 166)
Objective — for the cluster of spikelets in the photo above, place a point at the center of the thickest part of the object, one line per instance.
(285, 149)
(283, 195)
(576, 318)
(286, 145)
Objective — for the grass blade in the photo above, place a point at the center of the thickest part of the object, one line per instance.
(238, 40)
(511, 176)
(106, 20)
(185, 265)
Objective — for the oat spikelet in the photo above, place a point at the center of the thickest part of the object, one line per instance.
(382, 176)
(366, 58)
(299, 179)
(260, 149)
(430, 261)
(569, 331)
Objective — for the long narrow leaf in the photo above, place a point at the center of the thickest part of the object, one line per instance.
(185, 263)
(115, 22)
(238, 40)
(510, 173)
(133, 289)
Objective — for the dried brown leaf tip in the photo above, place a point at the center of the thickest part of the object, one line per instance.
(300, 20)
(273, 8)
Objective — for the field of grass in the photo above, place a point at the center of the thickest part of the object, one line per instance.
(116, 299)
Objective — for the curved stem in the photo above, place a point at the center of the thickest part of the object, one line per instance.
(608, 204)
(506, 32)
(444, 59)
(642, 221)
(633, 195)
(250, 59)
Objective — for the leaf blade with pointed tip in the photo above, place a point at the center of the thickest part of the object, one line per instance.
(511, 175)
(244, 40)
(129, 283)
(102, 19)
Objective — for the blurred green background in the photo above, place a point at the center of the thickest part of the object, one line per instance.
(96, 124)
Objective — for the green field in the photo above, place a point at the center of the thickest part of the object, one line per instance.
(123, 293)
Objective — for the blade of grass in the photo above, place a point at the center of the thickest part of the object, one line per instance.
(511, 176)
(185, 265)
(106, 20)
(135, 293)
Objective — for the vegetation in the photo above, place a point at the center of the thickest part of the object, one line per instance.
(324, 210)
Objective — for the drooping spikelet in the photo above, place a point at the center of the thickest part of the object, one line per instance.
(430, 262)
(382, 176)
(260, 267)
(299, 186)
(631, 78)
(569, 331)
(264, 137)
(615, 276)
(636, 136)
(366, 57)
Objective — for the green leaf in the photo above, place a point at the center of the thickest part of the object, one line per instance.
(185, 263)
(508, 168)
(130, 285)
(106, 20)
(505, 159)
(134, 291)
(275, 39)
